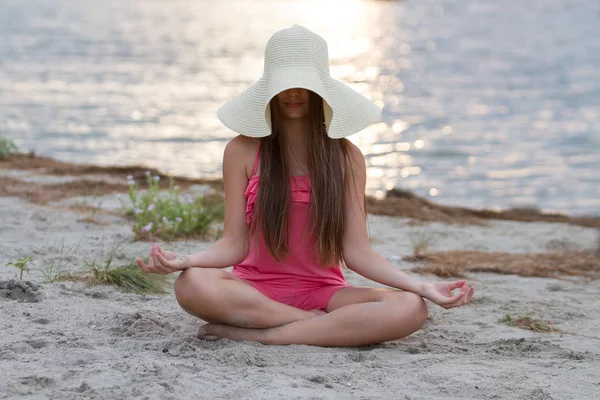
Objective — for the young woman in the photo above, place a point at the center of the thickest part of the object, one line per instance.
(294, 215)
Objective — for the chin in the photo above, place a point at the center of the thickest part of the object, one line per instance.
(296, 114)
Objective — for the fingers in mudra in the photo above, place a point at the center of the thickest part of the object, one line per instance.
(154, 265)
(158, 249)
(161, 265)
(464, 297)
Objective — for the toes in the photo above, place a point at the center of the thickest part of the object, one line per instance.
(210, 338)
(202, 330)
(208, 332)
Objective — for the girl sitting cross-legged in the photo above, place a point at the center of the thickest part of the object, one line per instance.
(294, 215)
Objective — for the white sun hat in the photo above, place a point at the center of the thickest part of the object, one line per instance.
(298, 58)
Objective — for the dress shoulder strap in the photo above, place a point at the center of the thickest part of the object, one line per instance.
(256, 159)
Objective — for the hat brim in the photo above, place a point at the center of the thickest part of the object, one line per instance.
(346, 111)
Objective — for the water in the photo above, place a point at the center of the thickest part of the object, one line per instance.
(487, 104)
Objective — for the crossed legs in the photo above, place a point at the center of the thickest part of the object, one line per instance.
(355, 315)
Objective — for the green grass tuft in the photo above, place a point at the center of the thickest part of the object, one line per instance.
(100, 271)
(56, 268)
(128, 277)
(131, 279)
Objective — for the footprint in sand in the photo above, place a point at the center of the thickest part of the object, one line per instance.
(21, 291)
(142, 326)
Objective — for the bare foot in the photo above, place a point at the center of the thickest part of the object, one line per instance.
(215, 331)
(241, 329)
(202, 334)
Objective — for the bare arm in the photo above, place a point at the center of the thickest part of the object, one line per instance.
(364, 260)
(232, 248)
(221, 254)
(359, 256)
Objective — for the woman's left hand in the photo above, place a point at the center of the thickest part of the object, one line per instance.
(441, 293)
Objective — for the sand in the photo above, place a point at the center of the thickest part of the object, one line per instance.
(70, 341)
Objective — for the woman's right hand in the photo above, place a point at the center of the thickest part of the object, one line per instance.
(162, 262)
(168, 255)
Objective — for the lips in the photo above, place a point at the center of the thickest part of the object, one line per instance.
(293, 104)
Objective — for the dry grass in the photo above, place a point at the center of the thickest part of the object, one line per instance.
(43, 194)
(397, 203)
(529, 323)
(448, 264)
(92, 221)
(50, 166)
(89, 213)
(401, 203)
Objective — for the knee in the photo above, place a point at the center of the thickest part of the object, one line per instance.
(414, 311)
(418, 309)
(194, 284)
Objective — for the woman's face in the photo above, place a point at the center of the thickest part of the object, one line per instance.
(293, 103)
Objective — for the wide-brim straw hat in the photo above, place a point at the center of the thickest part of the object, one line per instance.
(298, 58)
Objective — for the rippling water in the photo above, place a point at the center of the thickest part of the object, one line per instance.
(486, 104)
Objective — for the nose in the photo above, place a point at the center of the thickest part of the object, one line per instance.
(294, 92)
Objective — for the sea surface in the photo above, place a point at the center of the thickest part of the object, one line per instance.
(485, 103)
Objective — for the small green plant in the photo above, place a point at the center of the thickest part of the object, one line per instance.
(6, 147)
(21, 265)
(421, 241)
(527, 322)
(508, 319)
(169, 214)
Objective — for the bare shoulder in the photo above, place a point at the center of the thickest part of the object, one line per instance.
(240, 145)
(357, 159)
(240, 151)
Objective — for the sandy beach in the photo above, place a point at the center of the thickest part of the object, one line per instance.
(67, 340)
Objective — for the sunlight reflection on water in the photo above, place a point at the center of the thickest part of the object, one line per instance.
(485, 104)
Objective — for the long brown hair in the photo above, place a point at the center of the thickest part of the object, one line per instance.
(328, 160)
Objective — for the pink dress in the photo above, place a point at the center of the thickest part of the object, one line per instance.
(297, 281)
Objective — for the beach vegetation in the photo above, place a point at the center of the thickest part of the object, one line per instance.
(90, 206)
(7, 147)
(21, 265)
(129, 277)
(169, 214)
(101, 271)
(57, 268)
(555, 264)
(529, 323)
(421, 240)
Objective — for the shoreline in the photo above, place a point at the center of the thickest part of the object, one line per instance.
(397, 203)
